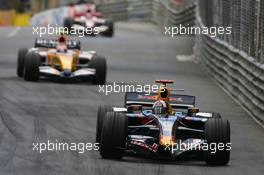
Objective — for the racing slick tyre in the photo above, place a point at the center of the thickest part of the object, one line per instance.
(99, 64)
(216, 115)
(102, 110)
(21, 61)
(68, 23)
(114, 133)
(32, 63)
(110, 31)
(217, 132)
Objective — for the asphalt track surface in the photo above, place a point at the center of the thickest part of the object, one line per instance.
(138, 54)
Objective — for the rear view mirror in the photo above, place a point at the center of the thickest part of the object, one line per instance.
(134, 108)
(193, 110)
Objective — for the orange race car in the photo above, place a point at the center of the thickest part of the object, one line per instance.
(60, 58)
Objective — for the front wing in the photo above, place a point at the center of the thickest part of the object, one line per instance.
(52, 72)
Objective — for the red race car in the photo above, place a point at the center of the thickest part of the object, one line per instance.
(89, 21)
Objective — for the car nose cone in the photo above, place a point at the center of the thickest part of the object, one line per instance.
(67, 73)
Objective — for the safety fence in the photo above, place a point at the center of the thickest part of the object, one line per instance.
(236, 60)
(170, 13)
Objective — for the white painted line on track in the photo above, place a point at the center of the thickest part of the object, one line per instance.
(13, 32)
(184, 58)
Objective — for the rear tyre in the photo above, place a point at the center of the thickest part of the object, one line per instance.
(21, 61)
(101, 113)
(32, 63)
(114, 135)
(217, 132)
(110, 31)
(99, 64)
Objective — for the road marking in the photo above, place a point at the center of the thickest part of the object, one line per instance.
(13, 32)
(184, 58)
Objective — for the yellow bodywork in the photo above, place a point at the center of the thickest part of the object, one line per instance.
(64, 60)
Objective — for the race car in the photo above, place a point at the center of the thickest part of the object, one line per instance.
(162, 125)
(89, 22)
(61, 59)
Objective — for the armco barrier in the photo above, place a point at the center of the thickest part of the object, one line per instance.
(240, 75)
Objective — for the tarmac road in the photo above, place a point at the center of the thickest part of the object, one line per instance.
(138, 54)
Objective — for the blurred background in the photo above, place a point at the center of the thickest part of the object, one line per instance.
(18, 12)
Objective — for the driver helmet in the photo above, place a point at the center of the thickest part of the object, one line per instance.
(160, 107)
(89, 10)
(61, 45)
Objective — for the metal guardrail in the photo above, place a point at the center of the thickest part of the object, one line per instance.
(237, 72)
(164, 14)
(128, 9)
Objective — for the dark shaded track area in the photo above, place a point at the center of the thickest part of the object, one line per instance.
(37, 112)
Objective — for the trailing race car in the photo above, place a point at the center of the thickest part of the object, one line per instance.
(162, 125)
(89, 22)
(60, 58)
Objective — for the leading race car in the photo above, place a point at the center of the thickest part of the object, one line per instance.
(89, 22)
(162, 125)
(60, 58)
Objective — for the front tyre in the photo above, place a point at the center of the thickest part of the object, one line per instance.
(99, 64)
(114, 135)
(101, 113)
(32, 63)
(21, 61)
(217, 132)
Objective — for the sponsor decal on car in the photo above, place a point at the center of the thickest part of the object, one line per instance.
(152, 148)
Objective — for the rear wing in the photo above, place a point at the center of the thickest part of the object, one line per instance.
(52, 43)
(141, 98)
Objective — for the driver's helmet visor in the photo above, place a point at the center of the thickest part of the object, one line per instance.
(61, 48)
